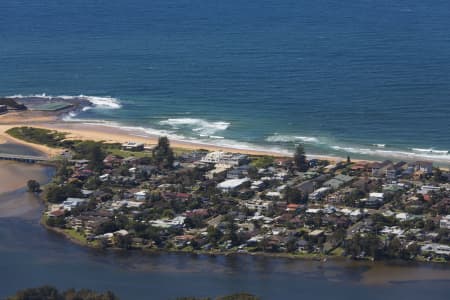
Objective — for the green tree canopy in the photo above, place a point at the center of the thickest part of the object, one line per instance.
(163, 153)
(33, 186)
(300, 159)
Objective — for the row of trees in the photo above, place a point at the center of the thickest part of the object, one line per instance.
(52, 293)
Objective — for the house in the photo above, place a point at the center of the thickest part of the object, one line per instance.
(140, 196)
(293, 207)
(112, 161)
(319, 193)
(218, 170)
(257, 185)
(258, 205)
(394, 230)
(426, 189)
(71, 203)
(232, 184)
(376, 197)
(306, 187)
(445, 222)
(316, 233)
(183, 197)
(238, 172)
(225, 158)
(375, 200)
(436, 248)
(359, 166)
(56, 213)
(168, 223)
(333, 183)
(130, 161)
(104, 177)
(379, 169)
(338, 181)
(133, 146)
(213, 157)
(273, 195)
(424, 166)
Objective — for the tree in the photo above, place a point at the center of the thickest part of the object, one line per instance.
(55, 193)
(93, 152)
(163, 154)
(437, 175)
(293, 195)
(291, 245)
(300, 159)
(33, 186)
(51, 293)
(63, 170)
(214, 235)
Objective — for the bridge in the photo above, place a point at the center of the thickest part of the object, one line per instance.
(23, 158)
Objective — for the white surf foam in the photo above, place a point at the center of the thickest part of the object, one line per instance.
(277, 138)
(441, 156)
(105, 102)
(380, 145)
(430, 151)
(199, 126)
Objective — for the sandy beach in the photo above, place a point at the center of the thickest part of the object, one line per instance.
(101, 132)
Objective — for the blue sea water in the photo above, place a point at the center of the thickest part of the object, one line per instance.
(369, 78)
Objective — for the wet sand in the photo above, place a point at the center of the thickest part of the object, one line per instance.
(15, 201)
(381, 273)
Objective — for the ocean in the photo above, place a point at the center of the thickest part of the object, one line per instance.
(365, 78)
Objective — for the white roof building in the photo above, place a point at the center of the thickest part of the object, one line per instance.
(140, 196)
(231, 184)
(445, 222)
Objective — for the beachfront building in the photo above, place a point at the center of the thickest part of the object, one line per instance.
(225, 158)
(424, 166)
(232, 184)
(133, 146)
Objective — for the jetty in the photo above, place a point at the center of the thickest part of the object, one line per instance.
(23, 158)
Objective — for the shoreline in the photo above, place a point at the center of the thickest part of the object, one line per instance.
(370, 277)
(86, 130)
(399, 270)
(111, 134)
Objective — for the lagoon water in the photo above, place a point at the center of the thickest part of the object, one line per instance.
(32, 256)
(360, 77)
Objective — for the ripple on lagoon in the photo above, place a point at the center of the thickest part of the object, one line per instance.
(34, 257)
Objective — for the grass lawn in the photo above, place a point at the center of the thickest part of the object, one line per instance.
(76, 235)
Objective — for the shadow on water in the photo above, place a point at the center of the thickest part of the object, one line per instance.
(9, 148)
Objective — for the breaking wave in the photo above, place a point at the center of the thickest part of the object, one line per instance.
(430, 151)
(276, 138)
(105, 102)
(217, 141)
(201, 127)
(435, 155)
